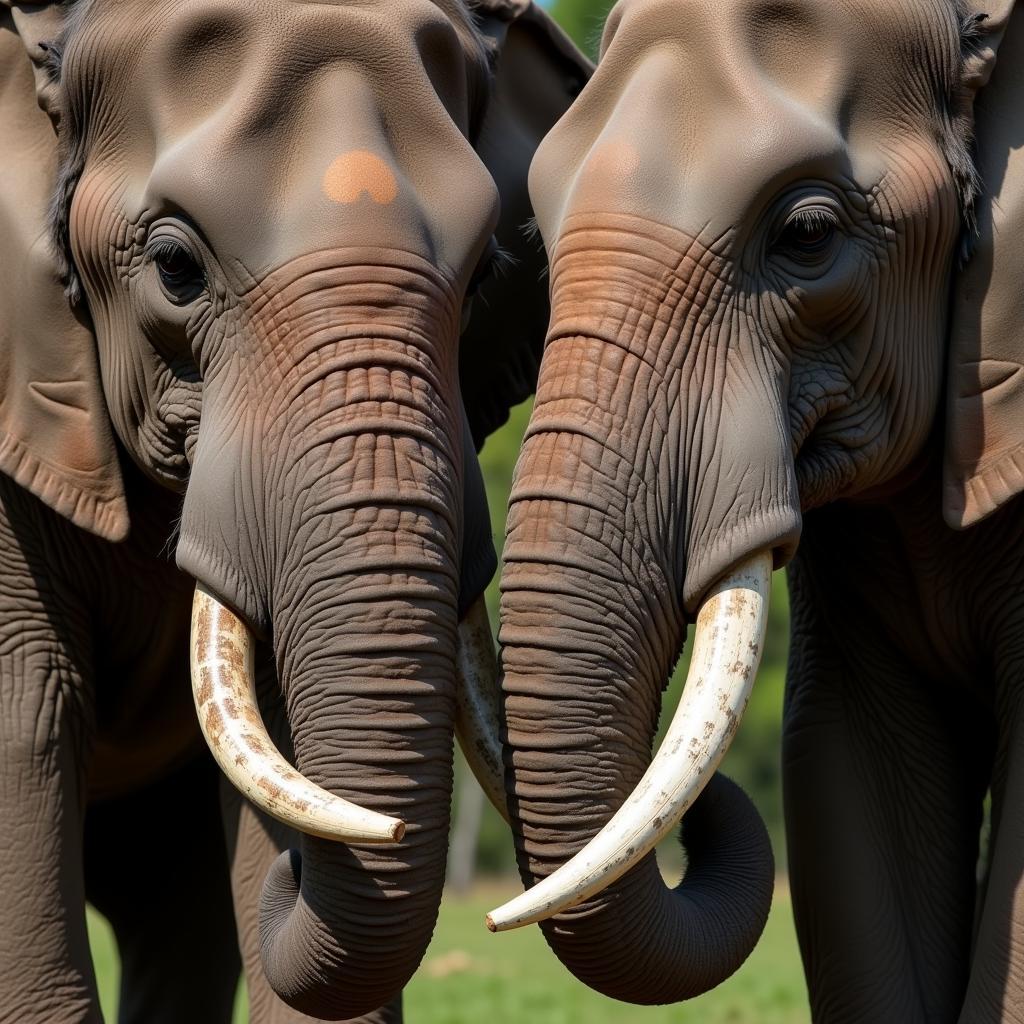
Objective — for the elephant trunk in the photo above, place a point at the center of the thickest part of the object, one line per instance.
(329, 472)
(657, 460)
(636, 940)
(369, 684)
(727, 650)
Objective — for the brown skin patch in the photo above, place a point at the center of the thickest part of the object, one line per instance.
(360, 172)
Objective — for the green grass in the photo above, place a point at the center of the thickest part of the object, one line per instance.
(472, 977)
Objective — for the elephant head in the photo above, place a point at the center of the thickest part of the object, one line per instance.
(752, 213)
(273, 217)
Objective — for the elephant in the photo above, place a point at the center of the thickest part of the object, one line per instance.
(240, 242)
(786, 303)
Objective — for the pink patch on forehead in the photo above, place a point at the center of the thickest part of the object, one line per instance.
(357, 172)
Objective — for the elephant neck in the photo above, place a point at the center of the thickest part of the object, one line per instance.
(887, 566)
(918, 482)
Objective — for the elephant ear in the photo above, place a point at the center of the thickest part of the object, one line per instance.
(56, 438)
(984, 461)
(538, 72)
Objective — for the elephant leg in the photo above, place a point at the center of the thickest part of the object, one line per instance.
(46, 716)
(995, 994)
(883, 785)
(156, 867)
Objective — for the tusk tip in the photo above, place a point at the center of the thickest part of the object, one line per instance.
(384, 829)
(498, 921)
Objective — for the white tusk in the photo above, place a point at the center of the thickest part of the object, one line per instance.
(478, 699)
(727, 649)
(224, 689)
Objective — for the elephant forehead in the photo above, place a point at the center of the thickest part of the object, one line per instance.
(825, 53)
(700, 110)
(772, 31)
(155, 36)
(836, 56)
(336, 123)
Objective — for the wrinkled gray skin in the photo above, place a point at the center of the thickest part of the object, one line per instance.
(270, 216)
(752, 214)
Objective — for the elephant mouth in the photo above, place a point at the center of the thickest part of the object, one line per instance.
(221, 654)
(728, 642)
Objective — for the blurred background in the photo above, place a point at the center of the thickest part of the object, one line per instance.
(470, 976)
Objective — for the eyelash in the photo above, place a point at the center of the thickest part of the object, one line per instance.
(808, 235)
(813, 218)
(166, 247)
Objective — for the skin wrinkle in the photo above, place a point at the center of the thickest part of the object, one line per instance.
(669, 301)
(305, 726)
(605, 658)
(356, 761)
(616, 656)
(137, 417)
(282, 409)
(623, 544)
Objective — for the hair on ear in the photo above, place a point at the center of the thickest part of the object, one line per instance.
(957, 133)
(68, 174)
(54, 56)
(71, 156)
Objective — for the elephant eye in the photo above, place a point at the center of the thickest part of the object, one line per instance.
(808, 234)
(181, 276)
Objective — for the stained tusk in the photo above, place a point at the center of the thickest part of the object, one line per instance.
(224, 689)
(727, 649)
(478, 700)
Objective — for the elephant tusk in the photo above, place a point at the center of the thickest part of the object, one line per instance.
(224, 689)
(727, 649)
(478, 700)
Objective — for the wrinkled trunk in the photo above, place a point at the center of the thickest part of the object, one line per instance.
(368, 677)
(638, 940)
(342, 532)
(657, 457)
